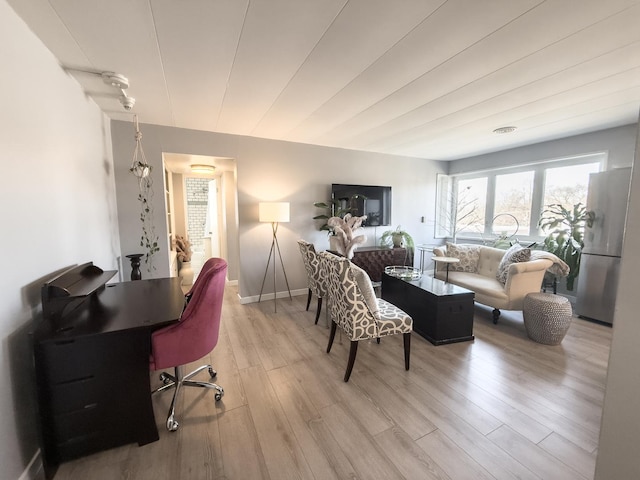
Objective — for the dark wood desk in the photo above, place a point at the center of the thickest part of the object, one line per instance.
(92, 368)
(442, 312)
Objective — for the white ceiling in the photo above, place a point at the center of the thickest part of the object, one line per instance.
(423, 78)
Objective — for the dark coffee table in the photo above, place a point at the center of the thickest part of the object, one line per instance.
(442, 312)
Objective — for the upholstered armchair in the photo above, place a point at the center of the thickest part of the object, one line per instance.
(353, 307)
(317, 282)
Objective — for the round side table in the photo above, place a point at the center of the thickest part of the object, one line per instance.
(447, 260)
(547, 317)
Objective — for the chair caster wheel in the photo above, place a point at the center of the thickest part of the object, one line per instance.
(164, 378)
(219, 393)
(212, 373)
(172, 425)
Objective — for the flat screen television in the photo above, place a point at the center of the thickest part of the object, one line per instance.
(371, 200)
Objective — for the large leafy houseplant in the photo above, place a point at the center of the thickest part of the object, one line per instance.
(565, 235)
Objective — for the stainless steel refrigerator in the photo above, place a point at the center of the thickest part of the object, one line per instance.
(600, 262)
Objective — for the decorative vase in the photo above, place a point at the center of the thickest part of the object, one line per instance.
(186, 273)
(335, 245)
(135, 265)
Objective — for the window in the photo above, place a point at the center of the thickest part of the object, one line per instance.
(568, 185)
(512, 204)
(508, 202)
(470, 207)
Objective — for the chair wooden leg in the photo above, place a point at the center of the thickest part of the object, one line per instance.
(352, 359)
(407, 349)
(318, 309)
(308, 300)
(332, 335)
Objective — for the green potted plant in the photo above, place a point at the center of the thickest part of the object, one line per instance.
(397, 238)
(565, 235)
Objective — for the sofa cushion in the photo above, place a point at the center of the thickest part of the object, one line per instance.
(479, 284)
(468, 256)
(516, 254)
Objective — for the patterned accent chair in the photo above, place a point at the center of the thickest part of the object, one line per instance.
(354, 307)
(317, 282)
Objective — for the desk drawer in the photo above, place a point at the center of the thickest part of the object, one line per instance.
(77, 395)
(63, 361)
(83, 422)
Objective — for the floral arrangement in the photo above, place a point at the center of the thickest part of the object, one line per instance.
(183, 247)
(344, 229)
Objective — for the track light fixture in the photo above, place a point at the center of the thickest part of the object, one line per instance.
(127, 102)
(115, 80)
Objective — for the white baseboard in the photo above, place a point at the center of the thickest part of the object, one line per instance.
(269, 296)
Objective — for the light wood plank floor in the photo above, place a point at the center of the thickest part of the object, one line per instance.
(499, 407)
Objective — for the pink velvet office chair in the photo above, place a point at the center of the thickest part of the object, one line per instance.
(193, 337)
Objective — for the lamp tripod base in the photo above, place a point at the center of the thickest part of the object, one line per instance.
(272, 253)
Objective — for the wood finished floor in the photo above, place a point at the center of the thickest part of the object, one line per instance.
(499, 407)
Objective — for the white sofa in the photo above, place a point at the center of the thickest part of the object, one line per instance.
(522, 278)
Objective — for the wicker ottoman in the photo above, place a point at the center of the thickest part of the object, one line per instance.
(547, 317)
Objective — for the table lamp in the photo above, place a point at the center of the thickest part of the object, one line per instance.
(274, 213)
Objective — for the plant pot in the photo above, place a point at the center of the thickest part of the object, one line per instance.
(186, 273)
(397, 240)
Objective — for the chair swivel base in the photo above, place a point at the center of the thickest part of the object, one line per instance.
(177, 381)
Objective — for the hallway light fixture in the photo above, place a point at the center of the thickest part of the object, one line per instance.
(199, 168)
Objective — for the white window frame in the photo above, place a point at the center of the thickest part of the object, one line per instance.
(448, 184)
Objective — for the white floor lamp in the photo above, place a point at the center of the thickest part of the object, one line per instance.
(275, 213)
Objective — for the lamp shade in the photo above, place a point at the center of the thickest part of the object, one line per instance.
(273, 211)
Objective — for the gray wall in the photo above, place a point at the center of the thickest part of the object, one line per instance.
(618, 142)
(58, 209)
(270, 170)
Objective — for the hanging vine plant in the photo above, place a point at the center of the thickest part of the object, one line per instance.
(141, 169)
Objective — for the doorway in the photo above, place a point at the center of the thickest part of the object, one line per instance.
(203, 219)
(203, 207)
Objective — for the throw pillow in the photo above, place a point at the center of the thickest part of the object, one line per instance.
(516, 254)
(366, 288)
(469, 255)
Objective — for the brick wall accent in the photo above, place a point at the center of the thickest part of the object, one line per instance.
(197, 199)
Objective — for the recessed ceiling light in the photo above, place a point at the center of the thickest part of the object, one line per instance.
(505, 130)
